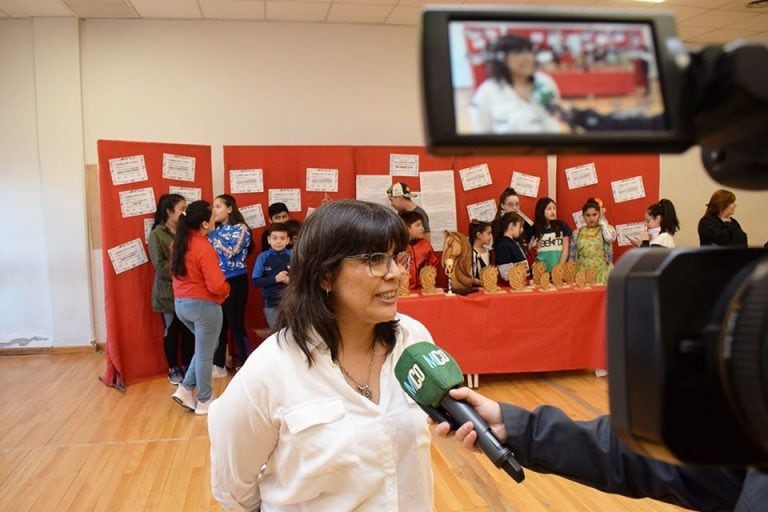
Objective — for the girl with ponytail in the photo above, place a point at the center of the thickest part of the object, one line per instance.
(199, 288)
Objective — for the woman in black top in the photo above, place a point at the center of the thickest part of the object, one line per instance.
(717, 226)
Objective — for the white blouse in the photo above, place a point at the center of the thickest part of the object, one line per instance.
(285, 437)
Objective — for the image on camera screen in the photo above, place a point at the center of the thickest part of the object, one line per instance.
(544, 77)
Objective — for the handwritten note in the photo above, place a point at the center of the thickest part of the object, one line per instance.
(403, 165)
(484, 210)
(253, 215)
(626, 232)
(189, 193)
(290, 196)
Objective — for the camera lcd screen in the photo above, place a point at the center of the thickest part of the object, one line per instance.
(520, 80)
(542, 77)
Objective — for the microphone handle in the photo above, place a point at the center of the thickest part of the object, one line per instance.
(487, 441)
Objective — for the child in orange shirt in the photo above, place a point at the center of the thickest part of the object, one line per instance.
(421, 251)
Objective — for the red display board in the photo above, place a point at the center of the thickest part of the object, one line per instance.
(135, 332)
(501, 168)
(284, 167)
(609, 169)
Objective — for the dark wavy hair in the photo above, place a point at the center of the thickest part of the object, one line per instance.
(540, 222)
(192, 220)
(497, 59)
(665, 208)
(335, 230)
(166, 203)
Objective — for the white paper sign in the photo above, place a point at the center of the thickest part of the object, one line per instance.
(290, 196)
(438, 198)
(372, 188)
(148, 228)
(628, 189)
(581, 176)
(475, 177)
(178, 167)
(403, 165)
(322, 180)
(243, 181)
(626, 231)
(140, 201)
(484, 210)
(189, 193)
(253, 215)
(127, 256)
(578, 219)
(525, 184)
(128, 169)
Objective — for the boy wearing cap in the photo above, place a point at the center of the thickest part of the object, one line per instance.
(400, 197)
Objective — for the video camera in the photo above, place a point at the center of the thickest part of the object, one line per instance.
(687, 328)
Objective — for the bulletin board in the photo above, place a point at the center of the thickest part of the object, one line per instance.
(128, 199)
(610, 169)
(284, 167)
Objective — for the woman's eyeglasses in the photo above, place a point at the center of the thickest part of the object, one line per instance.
(380, 263)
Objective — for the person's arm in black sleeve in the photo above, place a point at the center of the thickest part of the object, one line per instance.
(713, 231)
(548, 441)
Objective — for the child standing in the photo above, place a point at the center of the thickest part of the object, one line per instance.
(270, 273)
(421, 251)
(592, 244)
(169, 208)
(232, 241)
(508, 250)
(278, 213)
(552, 235)
(480, 237)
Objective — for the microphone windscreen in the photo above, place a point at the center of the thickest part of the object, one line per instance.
(426, 372)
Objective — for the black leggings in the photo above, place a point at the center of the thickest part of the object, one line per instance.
(234, 321)
(174, 333)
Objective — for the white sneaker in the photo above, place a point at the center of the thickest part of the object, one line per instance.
(185, 397)
(201, 409)
(219, 372)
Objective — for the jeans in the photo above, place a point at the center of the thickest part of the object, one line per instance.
(203, 317)
(234, 321)
(176, 333)
(271, 315)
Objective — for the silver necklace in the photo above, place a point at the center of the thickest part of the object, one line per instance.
(363, 389)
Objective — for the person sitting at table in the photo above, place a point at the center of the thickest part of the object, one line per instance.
(480, 238)
(421, 251)
(515, 98)
(508, 251)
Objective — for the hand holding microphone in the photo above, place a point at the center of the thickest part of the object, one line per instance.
(428, 374)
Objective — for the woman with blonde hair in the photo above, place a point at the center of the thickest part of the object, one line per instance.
(717, 226)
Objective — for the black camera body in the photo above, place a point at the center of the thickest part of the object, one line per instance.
(687, 329)
(688, 354)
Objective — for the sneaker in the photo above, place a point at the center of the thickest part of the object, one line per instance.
(202, 407)
(185, 397)
(175, 376)
(219, 372)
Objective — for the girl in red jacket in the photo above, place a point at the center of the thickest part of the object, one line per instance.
(199, 288)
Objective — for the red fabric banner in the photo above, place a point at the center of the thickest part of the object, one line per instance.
(134, 331)
(609, 168)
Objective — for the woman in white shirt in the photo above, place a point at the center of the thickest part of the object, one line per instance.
(660, 226)
(515, 98)
(315, 419)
